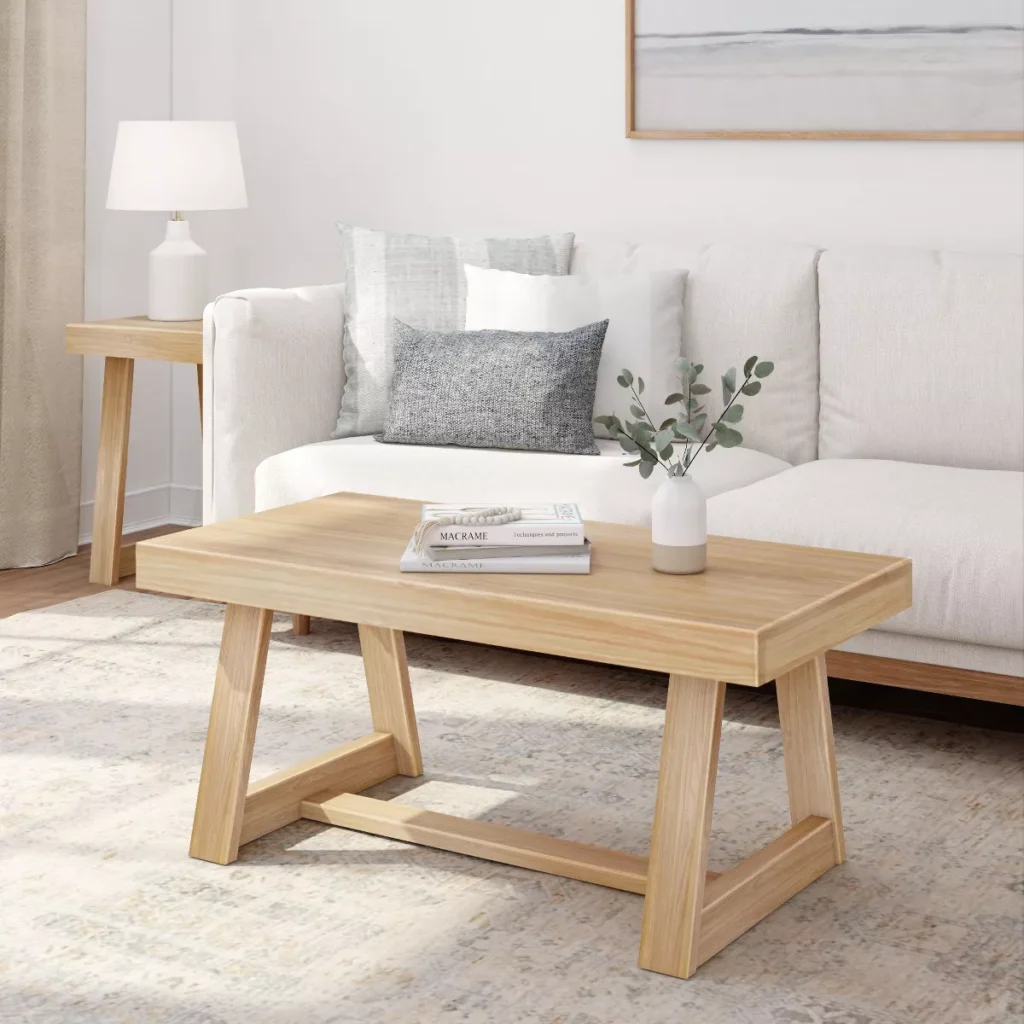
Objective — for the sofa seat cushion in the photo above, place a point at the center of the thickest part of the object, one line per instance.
(961, 527)
(601, 486)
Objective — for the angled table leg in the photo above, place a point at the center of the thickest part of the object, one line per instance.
(220, 806)
(809, 748)
(387, 680)
(112, 461)
(682, 823)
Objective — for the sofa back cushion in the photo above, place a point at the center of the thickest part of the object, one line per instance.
(742, 300)
(921, 357)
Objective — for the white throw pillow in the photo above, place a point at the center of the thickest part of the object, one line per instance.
(645, 325)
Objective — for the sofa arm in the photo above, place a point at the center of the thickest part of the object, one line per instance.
(272, 380)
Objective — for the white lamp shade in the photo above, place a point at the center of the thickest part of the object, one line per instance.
(176, 165)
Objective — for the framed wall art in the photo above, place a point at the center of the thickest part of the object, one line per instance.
(857, 69)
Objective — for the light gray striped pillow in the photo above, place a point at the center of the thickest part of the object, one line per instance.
(421, 281)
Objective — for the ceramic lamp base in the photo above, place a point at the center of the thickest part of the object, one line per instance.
(177, 276)
(682, 561)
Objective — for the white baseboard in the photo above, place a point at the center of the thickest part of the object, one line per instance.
(168, 504)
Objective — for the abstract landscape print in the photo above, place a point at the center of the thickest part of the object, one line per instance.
(826, 68)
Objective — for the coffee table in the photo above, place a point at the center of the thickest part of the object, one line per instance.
(760, 612)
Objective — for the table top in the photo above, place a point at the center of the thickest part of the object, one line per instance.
(138, 337)
(758, 610)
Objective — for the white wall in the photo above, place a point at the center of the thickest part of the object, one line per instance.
(464, 116)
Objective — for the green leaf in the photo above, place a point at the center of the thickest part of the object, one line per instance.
(733, 414)
(683, 365)
(628, 444)
(639, 385)
(698, 421)
(687, 430)
(605, 421)
(728, 384)
(752, 388)
(700, 389)
(646, 469)
(727, 437)
(637, 411)
(632, 464)
(642, 430)
(763, 369)
(676, 396)
(625, 379)
(648, 456)
(749, 365)
(698, 369)
(668, 423)
(662, 438)
(710, 446)
(666, 452)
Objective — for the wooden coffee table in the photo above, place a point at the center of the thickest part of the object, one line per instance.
(760, 612)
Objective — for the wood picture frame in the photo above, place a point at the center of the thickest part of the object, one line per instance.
(635, 132)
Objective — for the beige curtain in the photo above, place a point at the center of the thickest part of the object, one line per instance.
(42, 199)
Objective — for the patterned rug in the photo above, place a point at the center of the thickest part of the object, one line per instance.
(106, 919)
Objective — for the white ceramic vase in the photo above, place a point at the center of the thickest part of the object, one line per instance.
(679, 527)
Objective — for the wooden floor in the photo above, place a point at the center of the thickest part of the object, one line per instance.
(21, 590)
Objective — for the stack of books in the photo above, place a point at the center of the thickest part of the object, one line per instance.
(546, 539)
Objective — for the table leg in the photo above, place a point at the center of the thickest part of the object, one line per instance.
(112, 463)
(300, 625)
(387, 679)
(220, 806)
(809, 747)
(682, 824)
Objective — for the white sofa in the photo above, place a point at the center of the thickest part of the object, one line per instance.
(894, 423)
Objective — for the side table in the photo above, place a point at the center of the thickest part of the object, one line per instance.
(121, 342)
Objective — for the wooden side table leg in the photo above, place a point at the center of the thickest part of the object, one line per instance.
(387, 679)
(300, 625)
(682, 823)
(112, 463)
(809, 747)
(220, 805)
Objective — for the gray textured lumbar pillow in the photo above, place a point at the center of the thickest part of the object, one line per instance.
(495, 389)
(421, 281)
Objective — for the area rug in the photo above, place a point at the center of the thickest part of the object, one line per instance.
(106, 919)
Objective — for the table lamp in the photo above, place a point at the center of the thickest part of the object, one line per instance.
(174, 166)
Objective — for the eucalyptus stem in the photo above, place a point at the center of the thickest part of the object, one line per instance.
(647, 416)
(679, 435)
(736, 394)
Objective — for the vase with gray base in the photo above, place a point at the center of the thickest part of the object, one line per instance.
(679, 527)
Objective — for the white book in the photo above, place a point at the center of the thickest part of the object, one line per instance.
(573, 565)
(505, 551)
(550, 524)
